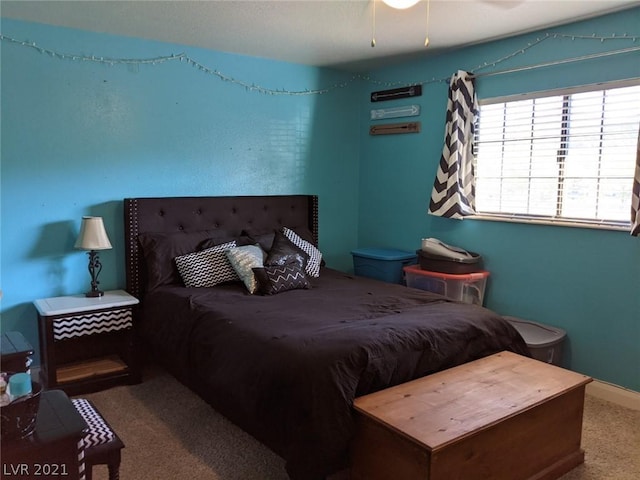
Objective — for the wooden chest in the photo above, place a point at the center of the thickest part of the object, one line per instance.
(501, 417)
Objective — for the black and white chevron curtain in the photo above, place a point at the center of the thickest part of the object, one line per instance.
(635, 195)
(453, 193)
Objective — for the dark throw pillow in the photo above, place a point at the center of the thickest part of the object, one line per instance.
(262, 238)
(275, 279)
(284, 251)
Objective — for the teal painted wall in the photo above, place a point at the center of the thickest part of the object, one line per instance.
(78, 137)
(584, 281)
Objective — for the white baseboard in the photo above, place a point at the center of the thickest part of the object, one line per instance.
(614, 394)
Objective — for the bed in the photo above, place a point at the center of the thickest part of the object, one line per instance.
(286, 365)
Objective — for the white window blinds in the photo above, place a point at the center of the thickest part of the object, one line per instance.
(567, 156)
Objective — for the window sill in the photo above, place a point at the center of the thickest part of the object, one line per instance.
(622, 227)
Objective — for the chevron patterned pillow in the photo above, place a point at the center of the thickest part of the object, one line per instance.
(280, 278)
(315, 256)
(207, 268)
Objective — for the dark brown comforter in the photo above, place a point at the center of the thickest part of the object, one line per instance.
(287, 367)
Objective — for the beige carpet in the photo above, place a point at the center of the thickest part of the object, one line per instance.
(170, 433)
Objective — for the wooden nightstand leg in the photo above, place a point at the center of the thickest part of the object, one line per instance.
(114, 469)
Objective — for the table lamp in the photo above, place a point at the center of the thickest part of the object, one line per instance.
(93, 237)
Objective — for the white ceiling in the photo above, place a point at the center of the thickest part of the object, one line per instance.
(314, 32)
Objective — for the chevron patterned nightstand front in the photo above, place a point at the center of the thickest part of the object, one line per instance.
(87, 344)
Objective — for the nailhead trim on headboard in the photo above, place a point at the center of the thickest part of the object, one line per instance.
(314, 218)
(132, 249)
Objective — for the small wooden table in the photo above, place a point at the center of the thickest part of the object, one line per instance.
(52, 450)
(501, 417)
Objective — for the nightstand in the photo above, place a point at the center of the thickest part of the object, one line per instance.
(87, 344)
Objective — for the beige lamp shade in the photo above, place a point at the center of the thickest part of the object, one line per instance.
(93, 236)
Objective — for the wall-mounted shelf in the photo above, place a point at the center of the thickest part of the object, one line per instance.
(395, 128)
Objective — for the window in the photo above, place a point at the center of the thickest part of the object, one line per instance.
(563, 156)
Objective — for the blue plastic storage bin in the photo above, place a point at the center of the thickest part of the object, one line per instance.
(384, 264)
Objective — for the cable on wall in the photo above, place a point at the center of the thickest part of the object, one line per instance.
(181, 57)
(478, 71)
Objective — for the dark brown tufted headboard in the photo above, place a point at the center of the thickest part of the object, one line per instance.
(233, 214)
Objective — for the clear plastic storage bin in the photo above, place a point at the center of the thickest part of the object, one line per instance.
(468, 287)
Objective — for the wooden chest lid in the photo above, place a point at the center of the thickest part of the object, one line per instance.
(443, 407)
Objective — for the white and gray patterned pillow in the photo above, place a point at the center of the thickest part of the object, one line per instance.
(315, 256)
(244, 259)
(208, 267)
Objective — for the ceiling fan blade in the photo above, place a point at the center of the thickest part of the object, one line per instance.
(505, 4)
